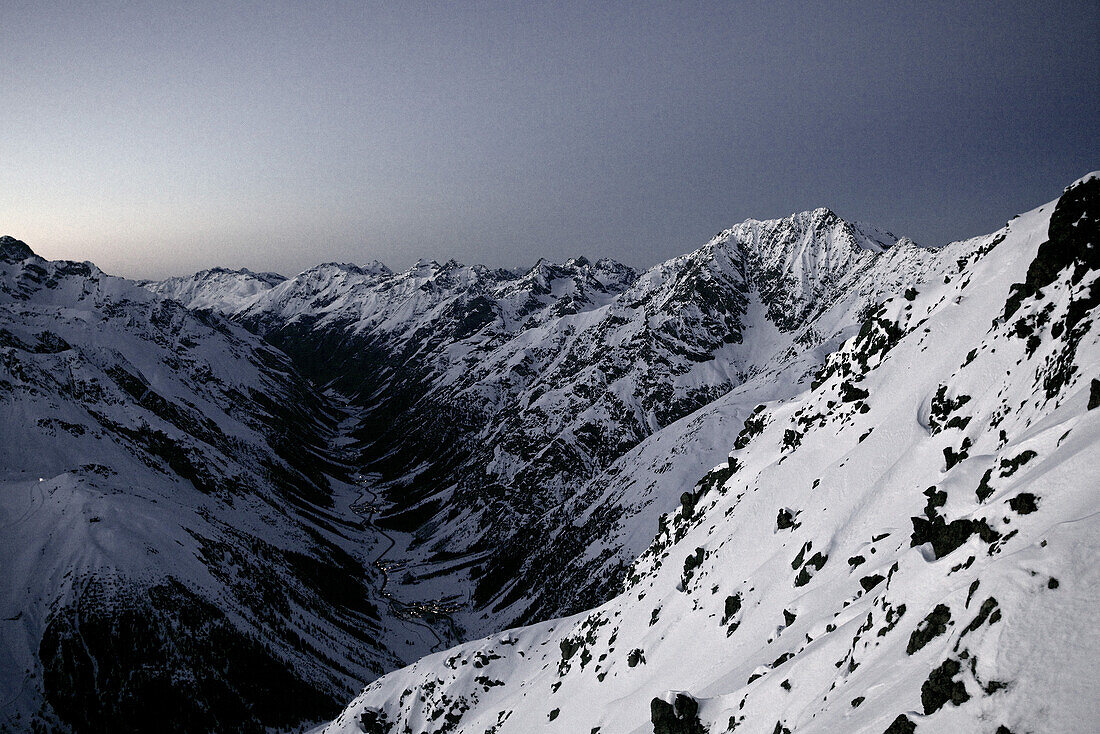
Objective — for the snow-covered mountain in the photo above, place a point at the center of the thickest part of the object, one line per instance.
(230, 500)
(177, 551)
(497, 403)
(907, 543)
(218, 289)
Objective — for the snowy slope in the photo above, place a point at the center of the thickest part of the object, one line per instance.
(177, 539)
(908, 544)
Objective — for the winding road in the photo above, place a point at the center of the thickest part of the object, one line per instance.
(366, 506)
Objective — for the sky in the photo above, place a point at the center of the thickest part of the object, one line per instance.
(158, 139)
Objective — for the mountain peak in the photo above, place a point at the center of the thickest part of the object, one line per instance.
(1084, 179)
(423, 263)
(13, 250)
(376, 267)
(818, 233)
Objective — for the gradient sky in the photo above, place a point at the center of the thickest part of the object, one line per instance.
(161, 138)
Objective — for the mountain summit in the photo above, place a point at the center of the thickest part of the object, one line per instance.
(13, 250)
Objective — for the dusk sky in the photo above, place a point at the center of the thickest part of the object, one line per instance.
(157, 139)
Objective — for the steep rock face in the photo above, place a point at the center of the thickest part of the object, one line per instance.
(13, 250)
(907, 543)
(491, 399)
(177, 549)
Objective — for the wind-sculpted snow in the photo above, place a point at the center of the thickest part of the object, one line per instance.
(177, 552)
(905, 541)
(497, 403)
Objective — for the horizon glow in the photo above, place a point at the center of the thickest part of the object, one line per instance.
(157, 141)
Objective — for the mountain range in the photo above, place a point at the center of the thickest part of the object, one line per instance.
(809, 477)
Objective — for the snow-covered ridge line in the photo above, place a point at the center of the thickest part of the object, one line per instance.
(194, 291)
